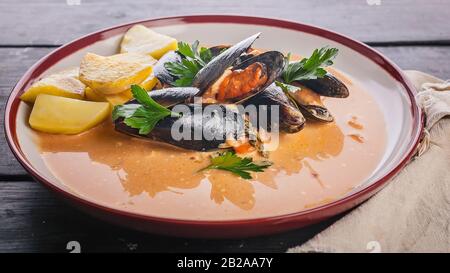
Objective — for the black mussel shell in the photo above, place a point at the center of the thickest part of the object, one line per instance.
(317, 112)
(311, 110)
(273, 61)
(217, 66)
(216, 50)
(160, 71)
(328, 86)
(214, 126)
(173, 95)
(291, 119)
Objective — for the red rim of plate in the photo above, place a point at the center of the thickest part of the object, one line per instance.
(67, 49)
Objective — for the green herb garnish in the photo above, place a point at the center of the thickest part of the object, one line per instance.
(229, 161)
(286, 87)
(193, 59)
(184, 71)
(142, 116)
(310, 68)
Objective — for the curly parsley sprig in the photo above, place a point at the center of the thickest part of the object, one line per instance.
(193, 59)
(309, 68)
(145, 114)
(229, 161)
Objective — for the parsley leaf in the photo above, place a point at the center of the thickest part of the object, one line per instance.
(229, 161)
(286, 87)
(184, 71)
(310, 68)
(144, 115)
(193, 59)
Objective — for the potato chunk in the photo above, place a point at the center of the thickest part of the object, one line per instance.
(116, 73)
(53, 114)
(144, 40)
(122, 97)
(64, 83)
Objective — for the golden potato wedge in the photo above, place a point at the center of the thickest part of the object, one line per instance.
(91, 95)
(149, 83)
(54, 114)
(116, 73)
(144, 40)
(64, 84)
(122, 97)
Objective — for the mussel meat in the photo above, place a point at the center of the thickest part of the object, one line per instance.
(217, 66)
(310, 103)
(247, 78)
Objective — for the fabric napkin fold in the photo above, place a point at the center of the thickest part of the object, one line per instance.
(412, 213)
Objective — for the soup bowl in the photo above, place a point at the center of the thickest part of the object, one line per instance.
(385, 82)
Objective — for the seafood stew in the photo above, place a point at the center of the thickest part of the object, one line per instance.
(314, 135)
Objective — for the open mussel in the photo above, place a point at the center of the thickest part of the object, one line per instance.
(290, 118)
(216, 50)
(306, 94)
(198, 128)
(247, 78)
(217, 66)
(310, 103)
(328, 86)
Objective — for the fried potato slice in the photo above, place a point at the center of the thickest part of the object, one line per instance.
(64, 84)
(115, 74)
(54, 114)
(144, 40)
(122, 97)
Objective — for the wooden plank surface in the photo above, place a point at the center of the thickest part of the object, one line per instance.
(414, 34)
(27, 22)
(33, 220)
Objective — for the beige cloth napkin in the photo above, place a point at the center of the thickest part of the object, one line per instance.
(412, 213)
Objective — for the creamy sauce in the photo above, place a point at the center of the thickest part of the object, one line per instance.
(314, 166)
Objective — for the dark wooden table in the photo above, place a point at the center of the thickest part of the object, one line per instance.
(414, 34)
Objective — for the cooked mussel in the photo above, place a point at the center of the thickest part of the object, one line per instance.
(174, 95)
(217, 66)
(197, 128)
(328, 86)
(216, 50)
(247, 78)
(160, 71)
(290, 119)
(310, 103)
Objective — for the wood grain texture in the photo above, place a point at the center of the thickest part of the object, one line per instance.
(33, 220)
(15, 61)
(29, 22)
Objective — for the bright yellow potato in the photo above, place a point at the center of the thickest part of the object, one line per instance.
(116, 73)
(60, 115)
(144, 40)
(122, 97)
(149, 83)
(64, 83)
(91, 95)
